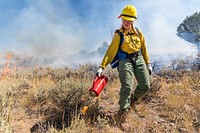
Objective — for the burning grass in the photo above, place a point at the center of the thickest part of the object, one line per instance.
(51, 100)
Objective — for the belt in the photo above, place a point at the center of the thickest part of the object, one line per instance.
(133, 57)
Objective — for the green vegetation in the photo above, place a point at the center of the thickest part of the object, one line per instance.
(51, 100)
(189, 30)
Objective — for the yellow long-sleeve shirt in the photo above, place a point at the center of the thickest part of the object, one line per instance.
(132, 43)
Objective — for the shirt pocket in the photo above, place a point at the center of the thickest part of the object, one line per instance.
(136, 42)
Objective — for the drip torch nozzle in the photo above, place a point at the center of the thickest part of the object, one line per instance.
(92, 94)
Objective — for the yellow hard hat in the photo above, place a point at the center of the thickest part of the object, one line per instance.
(129, 13)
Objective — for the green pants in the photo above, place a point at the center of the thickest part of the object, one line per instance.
(127, 73)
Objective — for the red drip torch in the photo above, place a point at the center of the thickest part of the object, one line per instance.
(98, 84)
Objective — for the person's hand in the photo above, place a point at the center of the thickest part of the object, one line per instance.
(99, 72)
(149, 69)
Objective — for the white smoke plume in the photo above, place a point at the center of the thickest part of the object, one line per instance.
(60, 29)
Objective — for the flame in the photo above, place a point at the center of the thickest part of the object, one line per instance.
(88, 102)
(7, 70)
(9, 56)
(84, 110)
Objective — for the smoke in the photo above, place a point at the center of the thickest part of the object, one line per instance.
(42, 29)
(63, 28)
(159, 21)
(60, 29)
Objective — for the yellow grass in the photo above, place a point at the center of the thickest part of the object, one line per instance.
(47, 99)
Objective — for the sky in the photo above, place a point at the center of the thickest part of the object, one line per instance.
(48, 28)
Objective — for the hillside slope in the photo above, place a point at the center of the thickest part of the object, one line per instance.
(51, 100)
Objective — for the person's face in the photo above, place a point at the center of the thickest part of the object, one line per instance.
(127, 24)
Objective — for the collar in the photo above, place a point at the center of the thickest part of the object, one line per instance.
(128, 33)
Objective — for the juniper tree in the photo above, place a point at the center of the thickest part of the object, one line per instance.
(189, 30)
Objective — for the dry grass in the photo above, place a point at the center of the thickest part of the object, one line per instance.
(50, 100)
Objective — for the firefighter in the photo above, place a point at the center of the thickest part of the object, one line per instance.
(136, 64)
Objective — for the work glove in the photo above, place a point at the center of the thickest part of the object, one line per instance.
(149, 69)
(99, 72)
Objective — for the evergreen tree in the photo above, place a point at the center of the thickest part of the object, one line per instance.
(189, 30)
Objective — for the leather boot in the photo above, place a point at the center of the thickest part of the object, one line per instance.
(133, 102)
(121, 116)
